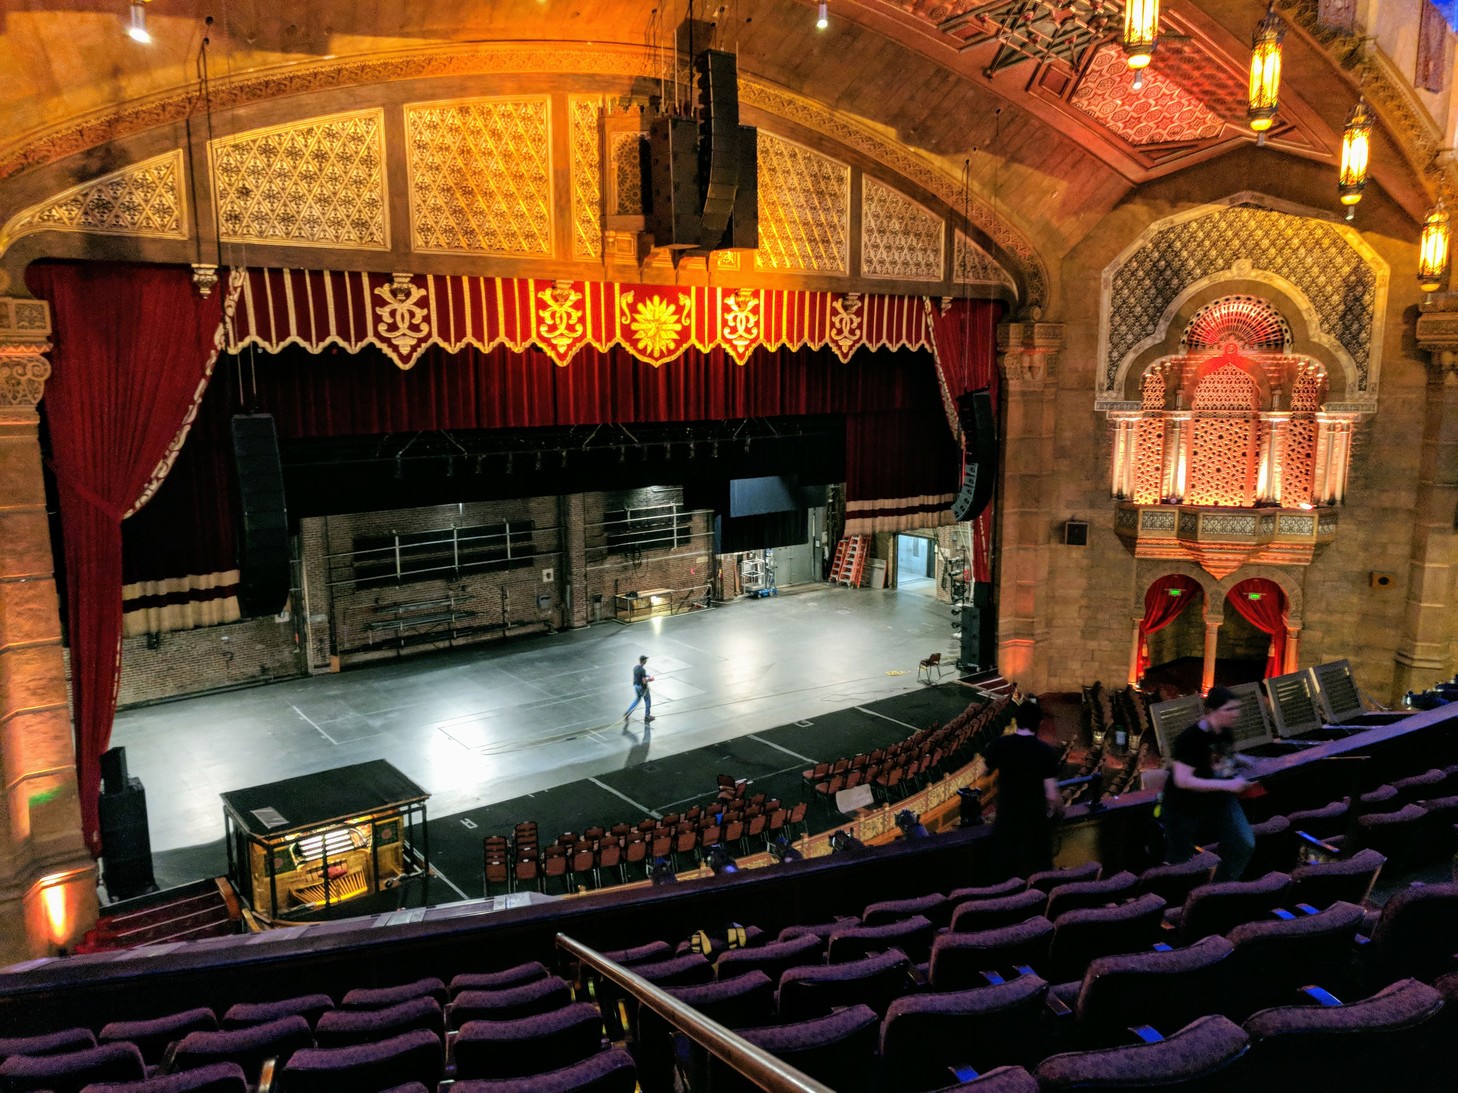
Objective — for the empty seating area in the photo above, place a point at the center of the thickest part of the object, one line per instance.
(929, 753)
(903, 967)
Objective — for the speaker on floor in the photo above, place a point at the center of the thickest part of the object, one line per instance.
(979, 468)
(263, 529)
(114, 770)
(979, 630)
(126, 842)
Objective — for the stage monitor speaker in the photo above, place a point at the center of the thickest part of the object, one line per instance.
(979, 432)
(126, 842)
(673, 164)
(263, 531)
(114, 770)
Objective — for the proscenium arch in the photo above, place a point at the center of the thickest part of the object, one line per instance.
(1111, 374)
(1308, 339)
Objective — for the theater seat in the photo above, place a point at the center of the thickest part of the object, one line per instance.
(1199, 1057)
(933, 906)
(924, 1035)
(248, 1047)
(374, 998)
(542, 996)
(50, 1043)
(1176, 882)
(610, 1071)
(528, 1045)
(1172, 987)
(740, 1002)
(913, 936)
(70, 1071)
(1080, 936)
(215, 1078)
(366, 1068)
(1348, 879)
(152, 1036)
(1414, 935)
(1374, 1043)
(529, 972)
(248, 1014)
(838, 1050)
(1275, 958)
(816, 990)
(1050, 879)
(1080, 895)
(343, 1028)
(1219, 908)
(772, 958)
(1005, 1079)
(988, 914)
(958, 960)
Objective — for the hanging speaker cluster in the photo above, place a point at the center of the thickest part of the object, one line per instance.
(704, 174)
(979, 455)
(263, 531)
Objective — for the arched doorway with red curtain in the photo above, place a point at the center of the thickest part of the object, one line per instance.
(1252, 641)
(1169, 637)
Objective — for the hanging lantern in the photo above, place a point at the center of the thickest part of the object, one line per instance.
(1433, 250)
(1141, 32)
(1356, 150)
(1265, 72)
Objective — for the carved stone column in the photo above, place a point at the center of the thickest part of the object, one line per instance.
(1293, 648)
(47, 877)
(1428, 647)
(1029, 359)
(1134, 650)
(1212, 643)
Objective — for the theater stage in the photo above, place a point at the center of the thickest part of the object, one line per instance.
(532, 729)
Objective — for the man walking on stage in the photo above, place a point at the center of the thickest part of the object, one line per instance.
(641, 679)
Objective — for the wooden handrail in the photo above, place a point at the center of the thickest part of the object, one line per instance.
(759, 1066)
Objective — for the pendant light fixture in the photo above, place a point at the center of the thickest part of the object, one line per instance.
(1141, 35)
(1433, 249)
(1265, 73)
(1356, 154)
(137, 24)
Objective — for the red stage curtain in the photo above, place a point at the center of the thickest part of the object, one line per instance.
(1267, 614)
(134, 346)
(965, 336)
(1161, 609)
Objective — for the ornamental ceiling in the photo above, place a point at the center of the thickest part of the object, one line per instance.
(1029, 97)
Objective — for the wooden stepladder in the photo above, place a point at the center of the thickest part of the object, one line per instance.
(850, 560)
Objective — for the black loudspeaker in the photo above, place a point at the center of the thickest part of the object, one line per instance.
(719, 134)
(263, 531)
(675, 208)
(126, 842)
(979, 431)
(979, 630)
(114, 770)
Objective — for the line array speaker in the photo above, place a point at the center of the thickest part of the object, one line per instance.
(263, 532)
(719, 135)
(979, 431)
(673, 166)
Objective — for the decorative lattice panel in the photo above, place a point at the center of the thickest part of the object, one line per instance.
(315, 183)
(1311, 254)
(1153, 389)
(626, 154)
(145, 199)
(1248, 321)
(1309, 391)
(1227, 388)
(804, 209)
(1149, 460)
(1222, 460)
(1298, 465)
(899, 238)
(973, 265)
(586, 177)
(481, 176)
(1161, 111)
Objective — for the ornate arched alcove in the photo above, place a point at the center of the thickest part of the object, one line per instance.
(1237, 358)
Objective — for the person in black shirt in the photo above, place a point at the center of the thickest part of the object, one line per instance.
(1027, 794)
(1202, 797)
(641, 679)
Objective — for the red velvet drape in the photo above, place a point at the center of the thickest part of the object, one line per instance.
(133, 350)
(1267, 614)
(1162, 608)
(965, 336)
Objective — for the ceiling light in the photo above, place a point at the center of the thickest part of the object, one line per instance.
(1265, 72)
(1433, 249)
(137, 26)
(1356, 153)
(1141, 34)
(823, 20)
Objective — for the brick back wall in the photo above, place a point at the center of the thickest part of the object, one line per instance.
(189, 662)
